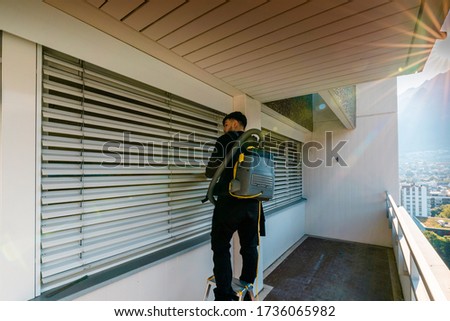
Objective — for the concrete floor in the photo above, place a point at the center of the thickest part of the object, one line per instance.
(329, 270)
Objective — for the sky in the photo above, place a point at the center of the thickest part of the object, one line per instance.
(438, 62)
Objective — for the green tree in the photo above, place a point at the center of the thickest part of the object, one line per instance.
(435, 211)
(441, 244)
(445, 211)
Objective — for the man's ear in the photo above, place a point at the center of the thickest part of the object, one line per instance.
(235, 124)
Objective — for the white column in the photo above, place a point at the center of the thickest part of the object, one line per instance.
(251, 108)
(17, 169)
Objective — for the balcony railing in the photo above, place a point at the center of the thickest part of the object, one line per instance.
(423, 274)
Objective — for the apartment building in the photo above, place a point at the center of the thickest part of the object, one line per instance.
(415, 199)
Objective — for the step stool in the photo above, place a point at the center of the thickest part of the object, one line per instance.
(239, 287)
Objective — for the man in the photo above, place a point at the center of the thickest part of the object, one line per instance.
(232, 214)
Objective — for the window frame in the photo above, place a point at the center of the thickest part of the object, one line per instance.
(290, 155)
(179, 151)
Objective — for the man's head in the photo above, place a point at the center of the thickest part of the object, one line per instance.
(235, 121)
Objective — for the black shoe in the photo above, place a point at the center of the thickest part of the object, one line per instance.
(220, 296)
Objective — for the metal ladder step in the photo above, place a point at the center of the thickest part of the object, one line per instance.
(238, 286)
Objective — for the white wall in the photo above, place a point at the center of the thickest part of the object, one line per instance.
(27, 23)
(180, 278)
(284, 229)
(17, 169)
(348, 202)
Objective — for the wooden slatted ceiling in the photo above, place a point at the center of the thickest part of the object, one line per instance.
(276, 49)
(117, 8)
(181, 17)
(289, 41)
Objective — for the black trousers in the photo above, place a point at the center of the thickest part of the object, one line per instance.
(231, 215)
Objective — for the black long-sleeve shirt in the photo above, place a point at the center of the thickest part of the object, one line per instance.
(223, 145)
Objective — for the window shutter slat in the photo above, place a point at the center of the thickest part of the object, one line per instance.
(288, 173)
(122, 170)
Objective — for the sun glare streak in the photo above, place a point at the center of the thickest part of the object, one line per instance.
(406, 55)
(433, 31)
(411, 67)
(434, 21)
(428, 39)
(400, 45)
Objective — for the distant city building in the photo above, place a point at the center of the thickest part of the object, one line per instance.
(414, 198)
(438, 200)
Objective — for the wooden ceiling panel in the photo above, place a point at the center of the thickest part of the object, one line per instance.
(236, 25)
(248, 39)
(150, 12)
(306, 30)
(119, 8)
(261, 57)
(180, 17)
(312, 58)
(96, 3)
(214, 18)
(352, 56)
(329, 23)
(273, 49)
(323, 71)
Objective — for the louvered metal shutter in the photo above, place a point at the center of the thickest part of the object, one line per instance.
(122, 169)
(288, 170)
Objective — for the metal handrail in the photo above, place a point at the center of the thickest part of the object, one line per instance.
(407, 236)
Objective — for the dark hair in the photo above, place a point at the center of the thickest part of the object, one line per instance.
(236, 115)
